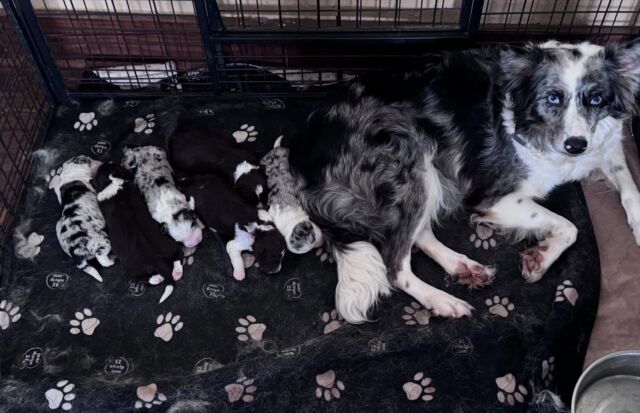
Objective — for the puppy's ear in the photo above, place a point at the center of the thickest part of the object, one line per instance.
(192, 203)
(517, 62)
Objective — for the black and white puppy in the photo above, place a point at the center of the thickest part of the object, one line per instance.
(492, 131)
(285, 209)
(81, 228)
(241, 226)
(167, 205)
(195, 151)
(136, 238)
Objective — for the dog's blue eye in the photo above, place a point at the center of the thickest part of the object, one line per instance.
(595, 101)
(553, 99)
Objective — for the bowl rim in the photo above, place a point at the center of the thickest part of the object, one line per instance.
(593, 365)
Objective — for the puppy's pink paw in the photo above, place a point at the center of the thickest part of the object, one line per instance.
(532, 263)
(239, 275)
(176, 274)
(475, 275)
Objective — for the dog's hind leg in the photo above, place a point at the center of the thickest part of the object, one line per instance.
(459, 266)
(176, 273)
(104, 256)
(439, 302)
(234, 250)
(522, 215)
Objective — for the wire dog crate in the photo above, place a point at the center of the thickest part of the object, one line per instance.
(53, 50)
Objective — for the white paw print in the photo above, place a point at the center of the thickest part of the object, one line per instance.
(29, 247)
(148, 396)
(53, 177)
(483, 236)
(145, 125)
(548, 366)
(419, 388)
(86, 120)
(168, 324)
(84, 323)
(246, 133)
(188, 260)
(9, 314)
(508, 393)
(250, 329)
(332, 321)
(243, 389)
(500, 307)
(60, 396)
(328, 386)
(566, 292)
(415, 314)
(324, 254)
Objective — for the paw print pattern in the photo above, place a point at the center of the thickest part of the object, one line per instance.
(567, 292)
(500, 307)
(188, 260)
(53, 178)
(246, 133)
(324, 254)
(243, 389)
(548, 366)
(483, 236)
(415, 314)
(419, 388)
(145, 125)
(9, 314)
(250, 329)
(148, 396)
(29, 247)
(84, 323)
(86, 120)
(332, 321)
(509, 391)
(61, 395)
(328, 387)
(168, 325)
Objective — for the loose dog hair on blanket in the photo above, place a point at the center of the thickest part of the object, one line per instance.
(490, 130)
(241, 226)
(167, 205)
(195, 150)
(289, 217)
(136, 238)
(81, 227)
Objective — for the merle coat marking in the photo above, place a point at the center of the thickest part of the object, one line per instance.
(81, 227)
(489, 130)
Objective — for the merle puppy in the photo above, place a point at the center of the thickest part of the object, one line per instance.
(167, 205)
(81, 228)
(136, 238)
(491, 130)
(242, 226)
(197, 151)
(289, 217)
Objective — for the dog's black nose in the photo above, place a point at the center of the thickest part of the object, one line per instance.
(575, 145)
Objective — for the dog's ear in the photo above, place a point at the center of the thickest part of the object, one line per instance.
(192, 203)
(518, 62)
(625, 60)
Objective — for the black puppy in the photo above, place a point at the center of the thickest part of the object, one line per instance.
(242, 226)
(196, 151)
(136, 238)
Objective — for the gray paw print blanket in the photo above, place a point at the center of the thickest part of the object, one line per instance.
(271, 343)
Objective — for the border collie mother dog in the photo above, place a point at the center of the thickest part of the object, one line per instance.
(490, 130)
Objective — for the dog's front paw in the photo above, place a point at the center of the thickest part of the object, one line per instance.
(533, 267)
(239, 274)
(446, 305)
(474, 275)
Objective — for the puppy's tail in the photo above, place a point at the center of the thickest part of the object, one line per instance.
(362, 278)
(84, 266)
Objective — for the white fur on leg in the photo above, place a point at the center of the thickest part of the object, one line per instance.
(105, 260)
(362, 278)
(286, 218)
(92, 272)
(234, 250)
(112, 189)
(177, 270)
(440, 303)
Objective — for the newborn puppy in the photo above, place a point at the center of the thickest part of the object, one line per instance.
(81, 228)
(241, 226)
(194, 151)
(167, 205)
(292, 221)
(143, 249)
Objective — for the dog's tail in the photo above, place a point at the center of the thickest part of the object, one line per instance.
(362, 279)
(84, 266)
